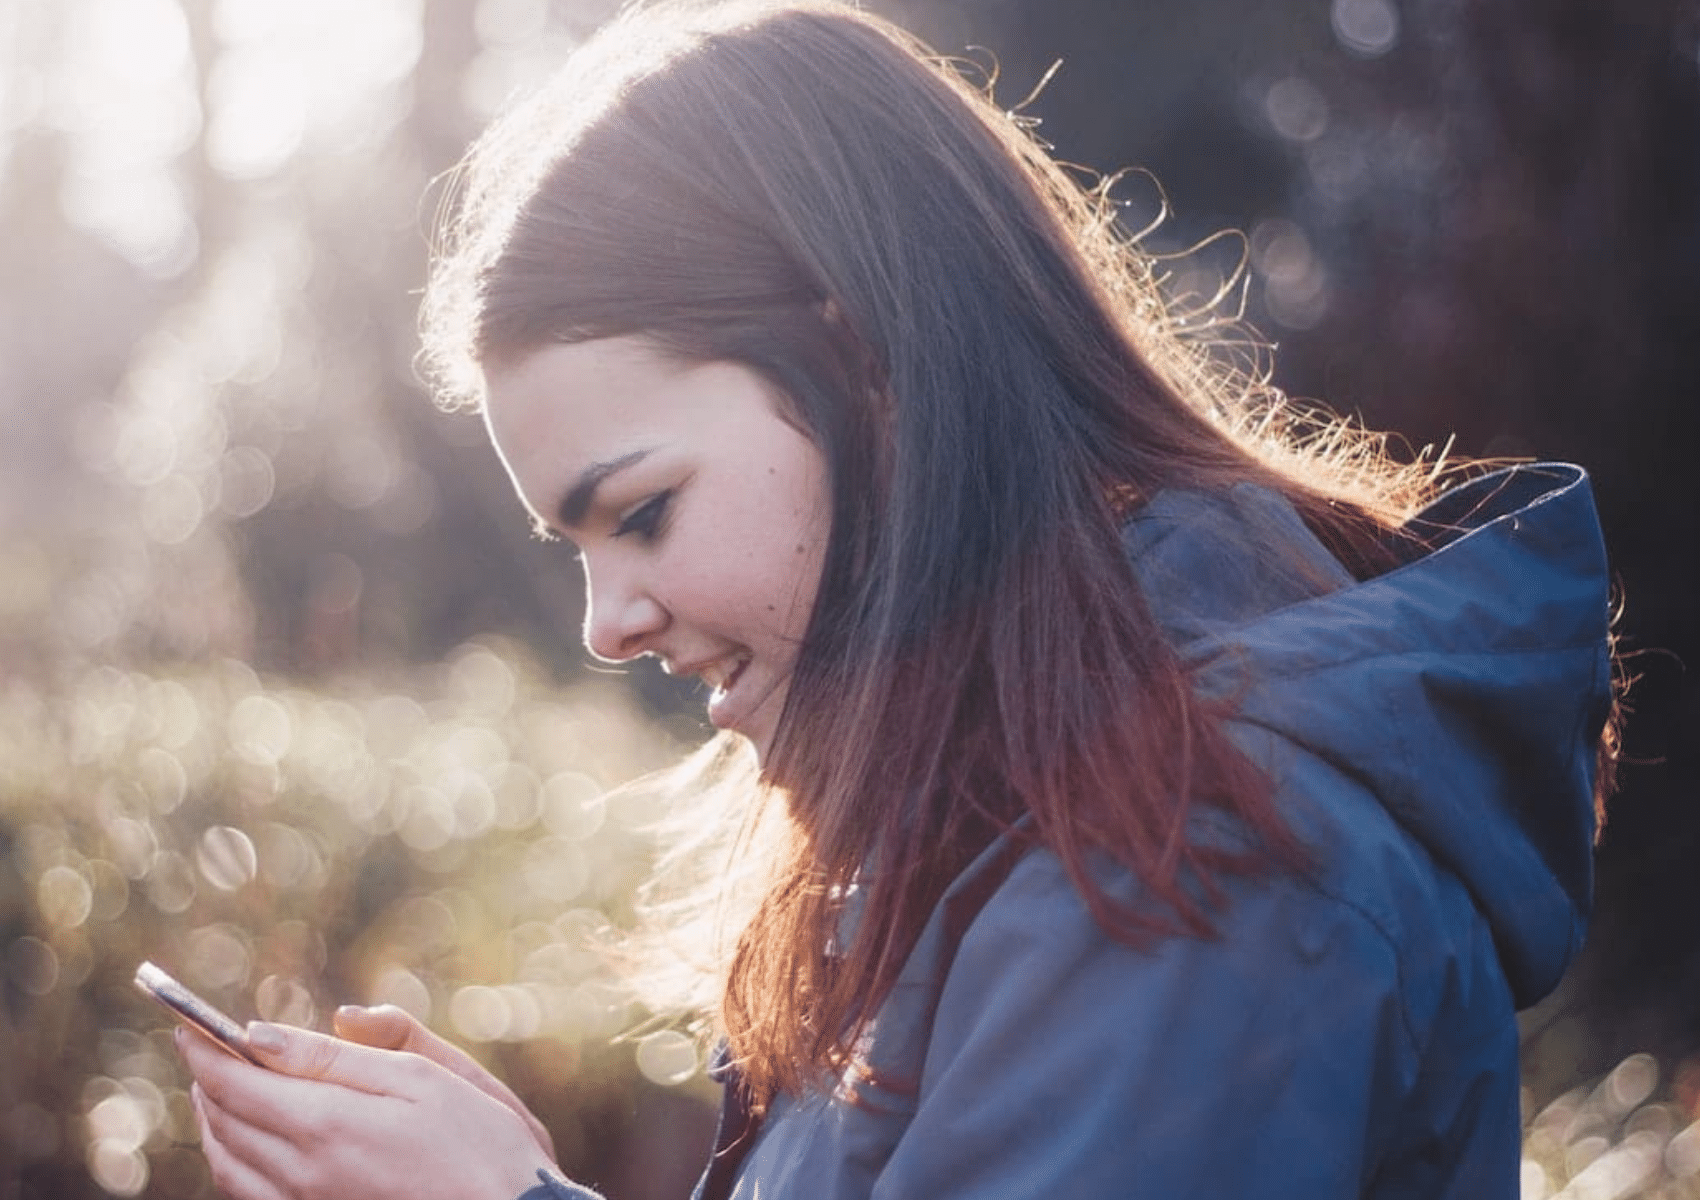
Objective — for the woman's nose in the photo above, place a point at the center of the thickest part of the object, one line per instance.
(621, 619)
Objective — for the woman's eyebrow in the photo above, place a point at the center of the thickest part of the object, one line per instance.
(570, 512)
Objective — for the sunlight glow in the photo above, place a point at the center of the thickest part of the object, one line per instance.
(521, 48)
(287, 76)
(259, 115)
(124, 92)
(509, 22)
(22, 85)
(294, 74)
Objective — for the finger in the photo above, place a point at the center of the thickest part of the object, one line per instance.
(243, 1123)
(339, 1144)
(216, 1072)
(392, 1028)
(300, 1151)
(385, 1026)
(304, 1054)
(235, 1176)
(296, 1111)
(389, 1027)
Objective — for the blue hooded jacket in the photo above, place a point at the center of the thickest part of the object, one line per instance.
(1350, 1032)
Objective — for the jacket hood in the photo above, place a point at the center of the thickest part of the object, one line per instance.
(1466, 689)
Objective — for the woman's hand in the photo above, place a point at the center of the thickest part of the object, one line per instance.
(390, 1028)
(333, 1119)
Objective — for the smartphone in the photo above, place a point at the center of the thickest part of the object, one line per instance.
(194, 1011)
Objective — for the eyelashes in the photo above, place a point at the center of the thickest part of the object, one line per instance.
(646, 521)
(647, 518)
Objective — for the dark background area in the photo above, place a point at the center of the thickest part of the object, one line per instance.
(1471, 223)
(1505, 206)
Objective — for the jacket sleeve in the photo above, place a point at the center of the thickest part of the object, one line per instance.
(1062, 1063)
(552, 1187)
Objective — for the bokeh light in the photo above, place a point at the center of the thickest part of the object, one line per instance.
(125, 94)
(226, 857)
(667, 1057)
(1295, 282)
(1369, 28)
(1297, 110)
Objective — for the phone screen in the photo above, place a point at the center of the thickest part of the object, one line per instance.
(223, 1030)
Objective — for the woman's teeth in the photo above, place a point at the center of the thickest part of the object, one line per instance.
(720, 676)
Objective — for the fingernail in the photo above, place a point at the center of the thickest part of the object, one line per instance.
(262, 1036)
(351, 1010)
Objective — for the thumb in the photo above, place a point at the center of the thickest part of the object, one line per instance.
(309, 1055)
(390, 1028)
(385, 1026)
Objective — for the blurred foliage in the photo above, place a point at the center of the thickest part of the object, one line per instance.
(290, 701)
(245, 730)
(443, 843)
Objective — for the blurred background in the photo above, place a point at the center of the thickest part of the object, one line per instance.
(291, 702)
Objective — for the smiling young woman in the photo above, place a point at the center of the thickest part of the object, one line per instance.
(1173, 793)
(699, 510)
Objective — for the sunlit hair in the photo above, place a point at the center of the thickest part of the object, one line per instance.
(990, 370)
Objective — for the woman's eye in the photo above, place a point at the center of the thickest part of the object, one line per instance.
(645, 520)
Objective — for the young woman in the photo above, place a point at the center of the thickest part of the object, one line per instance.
(1167, 801)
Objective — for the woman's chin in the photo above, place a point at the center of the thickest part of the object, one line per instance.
(755, 719)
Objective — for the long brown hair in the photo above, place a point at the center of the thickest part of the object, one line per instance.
(988, 367)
